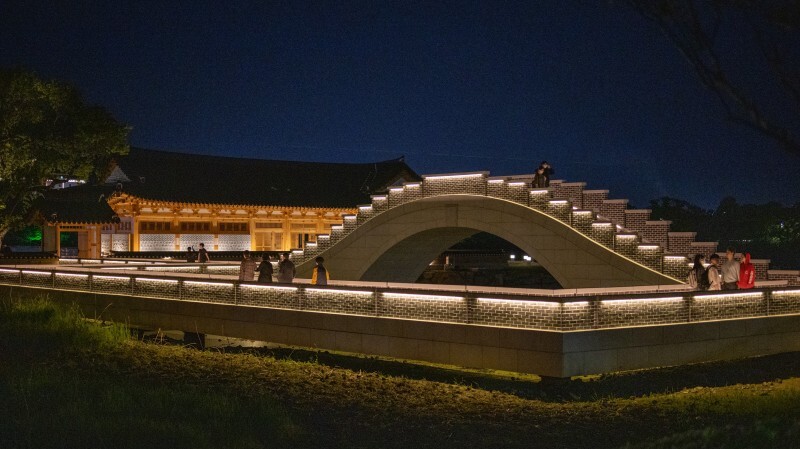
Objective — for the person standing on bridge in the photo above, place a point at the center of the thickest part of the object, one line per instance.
(747, 273)
(548, 172)
(286, 269)
(320, 275)
(247, 268)
(202, 254)
(265, 270)
(712, 272)
(539, 179)
(730, 271)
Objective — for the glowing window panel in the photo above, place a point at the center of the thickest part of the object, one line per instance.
(344, 292)
(428, 297)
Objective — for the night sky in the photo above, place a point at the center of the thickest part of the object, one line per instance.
(454, 86)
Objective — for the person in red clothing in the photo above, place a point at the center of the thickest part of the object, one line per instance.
(747, 273)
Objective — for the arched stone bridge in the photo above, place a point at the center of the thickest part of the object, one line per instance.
(579, 236)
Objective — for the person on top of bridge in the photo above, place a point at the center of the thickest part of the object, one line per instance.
(286, 269)
(265, 270)
(320, 275)
(539, 178)
(547, 172)
(247, 268)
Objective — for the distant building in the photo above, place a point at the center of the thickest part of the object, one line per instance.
(164, 201)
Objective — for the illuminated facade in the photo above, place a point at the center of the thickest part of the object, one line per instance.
(164, 201)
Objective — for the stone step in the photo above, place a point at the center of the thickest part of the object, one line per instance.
(539, 198)
(677, 266)
(680, 243)
(582, 220)
(656, 231)
(635, 219)
(626, 243)
(614, 211)
(650, 255)
(704, 248)
(603, 232)
(380, 203)
(560, 209)
(571, 191)
(593, 199)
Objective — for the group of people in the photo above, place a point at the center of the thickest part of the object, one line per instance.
(248, 269)
(286, 270)
(730, 275)
(542, 176)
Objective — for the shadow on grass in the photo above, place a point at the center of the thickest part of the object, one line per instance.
(616, 385)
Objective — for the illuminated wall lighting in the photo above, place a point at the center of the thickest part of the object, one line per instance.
(269, 287)
(35, 272)
(111, 278)
(213, 284)
(396, 189)
(517, 184)
(728, 295)
(601, 224)
(73, 275)
(628, 300)
(379, 198)
(496, 181)
(466, 175)
(344, 292)
(5, 270)
(172, 281)
(648, 246)
(558, 201)
(521, 301)
(786, 292)
(427, 297)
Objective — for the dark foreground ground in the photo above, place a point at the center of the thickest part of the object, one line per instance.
(67, 382)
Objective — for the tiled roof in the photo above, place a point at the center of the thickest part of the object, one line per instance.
(193, 178)
(80, 204)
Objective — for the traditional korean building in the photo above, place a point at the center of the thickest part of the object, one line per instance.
(165, 201)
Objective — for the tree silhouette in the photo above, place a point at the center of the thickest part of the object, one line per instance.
(696, 27)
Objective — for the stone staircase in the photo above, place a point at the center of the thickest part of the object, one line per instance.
(628, 232)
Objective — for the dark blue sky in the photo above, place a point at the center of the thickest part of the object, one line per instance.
(454, 86)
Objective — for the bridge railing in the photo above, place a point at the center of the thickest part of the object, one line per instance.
(555, 310)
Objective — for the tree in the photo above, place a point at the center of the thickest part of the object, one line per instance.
(47, 131)
(696, 28)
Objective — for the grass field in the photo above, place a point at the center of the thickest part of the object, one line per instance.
(68, 382)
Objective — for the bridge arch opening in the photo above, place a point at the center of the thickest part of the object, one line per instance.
(485, 259)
